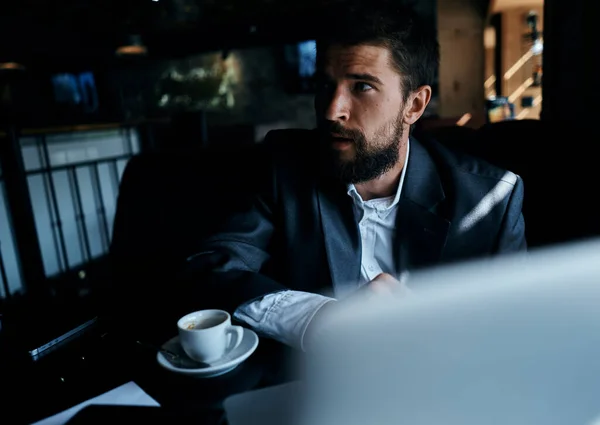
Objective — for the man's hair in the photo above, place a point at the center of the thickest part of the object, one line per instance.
(411, 40)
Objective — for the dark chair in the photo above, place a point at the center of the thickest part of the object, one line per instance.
(167, 204)
(518, 146)
(453, 136)
(521, 147)
(513, 144)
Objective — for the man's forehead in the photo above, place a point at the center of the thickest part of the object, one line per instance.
(359, 58)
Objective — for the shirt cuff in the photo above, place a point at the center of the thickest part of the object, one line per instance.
(283, 316)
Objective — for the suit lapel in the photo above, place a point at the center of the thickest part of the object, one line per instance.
(421, 231)
(341, 236)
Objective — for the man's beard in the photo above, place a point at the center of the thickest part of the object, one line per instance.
(372, 159)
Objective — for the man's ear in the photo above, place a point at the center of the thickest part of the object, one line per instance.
(416, 104)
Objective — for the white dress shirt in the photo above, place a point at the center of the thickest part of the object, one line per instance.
(285, 315)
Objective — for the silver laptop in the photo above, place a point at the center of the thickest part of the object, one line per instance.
(509, 341)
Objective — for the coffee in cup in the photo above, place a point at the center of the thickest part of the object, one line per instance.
(207, 335)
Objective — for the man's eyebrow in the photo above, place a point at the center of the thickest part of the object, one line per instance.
(365, 77)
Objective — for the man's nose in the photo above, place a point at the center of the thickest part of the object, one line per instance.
(338, 108)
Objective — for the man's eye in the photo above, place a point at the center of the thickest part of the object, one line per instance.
(362, 87)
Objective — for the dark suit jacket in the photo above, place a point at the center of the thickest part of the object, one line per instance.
(300, 233)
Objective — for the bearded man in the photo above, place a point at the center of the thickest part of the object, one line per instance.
(355, 204)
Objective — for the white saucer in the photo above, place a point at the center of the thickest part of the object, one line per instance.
(225, 364)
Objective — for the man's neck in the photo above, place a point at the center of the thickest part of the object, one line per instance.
(386, 184)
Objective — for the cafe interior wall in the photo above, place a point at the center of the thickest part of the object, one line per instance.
(517, 46)
(517, 61)
(460, 26)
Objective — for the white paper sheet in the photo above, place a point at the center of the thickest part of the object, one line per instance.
(129, 394)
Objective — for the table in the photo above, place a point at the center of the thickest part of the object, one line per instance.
(102, 360)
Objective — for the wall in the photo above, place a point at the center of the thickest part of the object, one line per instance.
(517, 63)
(460, 29)
(489, 41)
(515, 48)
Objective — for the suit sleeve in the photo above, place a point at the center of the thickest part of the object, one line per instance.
(512, 231)
(231, 267)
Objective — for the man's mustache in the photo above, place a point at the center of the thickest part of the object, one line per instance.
(337, 129)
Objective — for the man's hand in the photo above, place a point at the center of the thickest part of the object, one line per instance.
(385, 284)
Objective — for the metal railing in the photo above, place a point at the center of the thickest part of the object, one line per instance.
(3, 276)
(73, 172)
(5, 289)
(73, 195)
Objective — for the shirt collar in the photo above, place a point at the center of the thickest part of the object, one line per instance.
(352, 192)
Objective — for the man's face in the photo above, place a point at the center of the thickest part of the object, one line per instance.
(359, 108)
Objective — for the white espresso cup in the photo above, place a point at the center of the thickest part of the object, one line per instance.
(207, 335)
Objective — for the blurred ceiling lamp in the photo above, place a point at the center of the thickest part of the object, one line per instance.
(11, 66)
(133, 47)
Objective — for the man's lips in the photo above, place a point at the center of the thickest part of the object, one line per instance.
(340, 143)
(339, 138)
